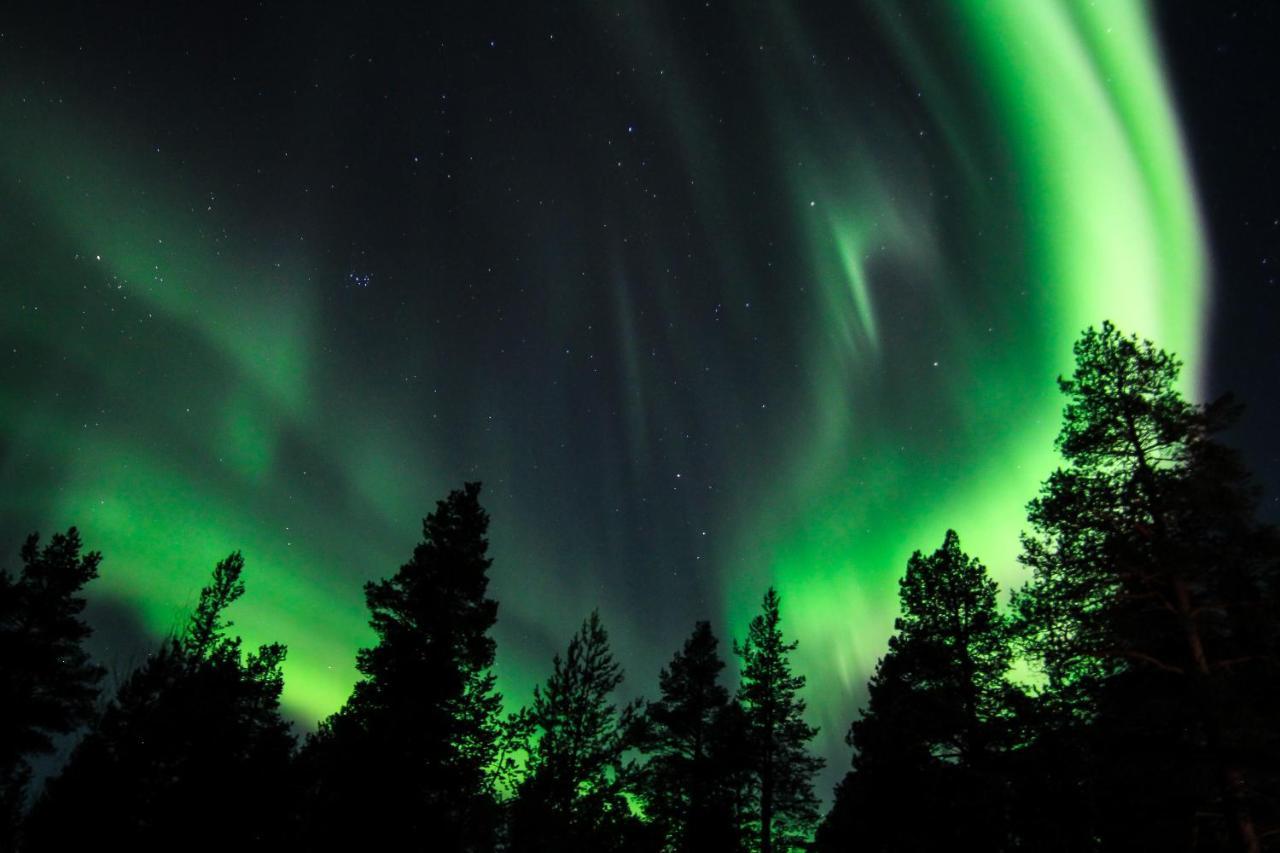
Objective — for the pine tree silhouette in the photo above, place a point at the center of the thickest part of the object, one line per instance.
(1151, 578)
(192, 744)
(407, 760)
(48, 685)
(939, 719)
(574, 795)
(782, 807)
(687, 781)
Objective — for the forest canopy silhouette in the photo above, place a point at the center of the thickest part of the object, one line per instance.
(1125, 697)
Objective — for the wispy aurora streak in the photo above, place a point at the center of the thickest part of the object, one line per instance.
(832, 335)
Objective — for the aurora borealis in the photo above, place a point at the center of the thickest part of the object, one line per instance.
(709, 298)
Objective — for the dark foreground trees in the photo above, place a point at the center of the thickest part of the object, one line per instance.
(48, 685)
(781, 807)
(192, 747)
(577, 786)
(408, 758)
(695, 752)
(1152, 614)
(1150, 632)
(722, 774)
(938, 724)
(1149, 627)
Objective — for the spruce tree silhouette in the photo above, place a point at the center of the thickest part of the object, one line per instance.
(192, 747)
(938, 723)
(574, 795)
(1151, 613)
(48, 685)
(405, 764)
(782, 807)
(687, 782)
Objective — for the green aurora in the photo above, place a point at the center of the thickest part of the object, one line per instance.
(178, 388)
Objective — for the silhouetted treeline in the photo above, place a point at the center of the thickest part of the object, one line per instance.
(1148, 717)
(1128, 698)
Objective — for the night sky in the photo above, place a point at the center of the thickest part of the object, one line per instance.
(709, 296)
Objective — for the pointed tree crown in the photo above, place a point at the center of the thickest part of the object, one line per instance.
(434, 612)
(949, 614)
(1123, 403)
(205, 633)
(767, 684)
(690, 687)
(48, 684)
(580, 736)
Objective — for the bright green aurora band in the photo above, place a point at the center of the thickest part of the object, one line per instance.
(183, 398)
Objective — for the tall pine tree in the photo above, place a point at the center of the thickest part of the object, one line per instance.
(688, 790)
(48, 685)
(782, 807)
(1145, 613)
(406, 761)
(938, 723)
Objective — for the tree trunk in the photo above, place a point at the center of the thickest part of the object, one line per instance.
(1235, 789)
(766, 802)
